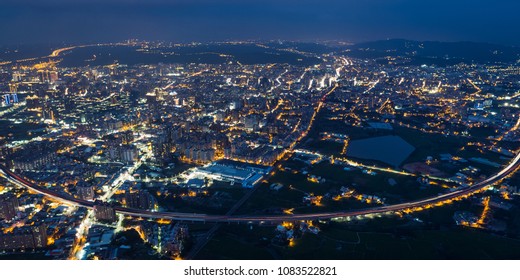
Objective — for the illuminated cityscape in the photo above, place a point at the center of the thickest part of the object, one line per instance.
(279, 149)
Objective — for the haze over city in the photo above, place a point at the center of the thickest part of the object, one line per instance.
(58, 21)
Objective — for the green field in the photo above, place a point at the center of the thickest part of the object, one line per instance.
(23, 131)
(337, 243)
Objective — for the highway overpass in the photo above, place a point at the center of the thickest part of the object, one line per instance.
(422, 203)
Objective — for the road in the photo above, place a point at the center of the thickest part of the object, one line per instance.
(413, 205)
(204, 239)
(229, 217)
(201, 243)
(371, 167)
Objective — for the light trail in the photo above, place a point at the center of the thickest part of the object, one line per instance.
(373, 85)
(479, 90)
(485, 212)
(372, 167)
(417, 205)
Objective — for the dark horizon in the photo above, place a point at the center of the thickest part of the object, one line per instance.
(231, 40)
(60, 21)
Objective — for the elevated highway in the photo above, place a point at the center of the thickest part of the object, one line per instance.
(421, 203)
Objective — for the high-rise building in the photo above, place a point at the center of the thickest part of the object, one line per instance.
(6, 99)
(17, 77)
(43, 75)
(39, 233)
(53, 76)
(34, 157)
(129, 153)
(104, 212)
(25, 238)
(17, 240)
(8, 207)
(13, 87)
(127, 137)
(175, 240)
(85, 192)
(33, 102)
(192, 100)
(139, 200)
(151, 99)
(159, 93)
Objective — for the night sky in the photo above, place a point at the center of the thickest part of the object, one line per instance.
(55, 21)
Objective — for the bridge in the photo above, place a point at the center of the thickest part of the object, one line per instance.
(460, 193)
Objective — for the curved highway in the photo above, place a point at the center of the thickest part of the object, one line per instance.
(427, 202)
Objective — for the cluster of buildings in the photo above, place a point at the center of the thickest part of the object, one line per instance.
(35, 156)
(8, 207)
(31, 224)
(140, 200)
(171, 240)
(24, 238)
(9, 99)
(233, 121)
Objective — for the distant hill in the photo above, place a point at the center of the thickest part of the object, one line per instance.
(441, 53)
(315, 48)
(214, 53)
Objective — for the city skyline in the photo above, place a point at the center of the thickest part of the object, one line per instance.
(265, 130)
(159, 146)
